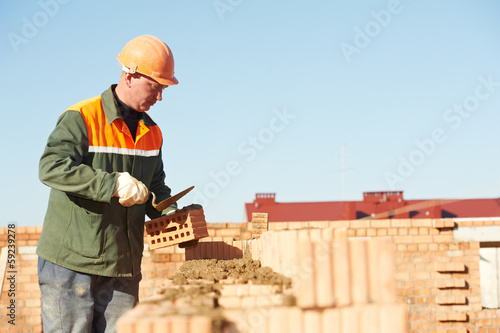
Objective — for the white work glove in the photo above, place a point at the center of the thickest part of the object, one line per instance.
(129, 190)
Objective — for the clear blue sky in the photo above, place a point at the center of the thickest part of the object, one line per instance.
(269, 93)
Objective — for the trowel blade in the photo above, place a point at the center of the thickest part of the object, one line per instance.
(167, 202)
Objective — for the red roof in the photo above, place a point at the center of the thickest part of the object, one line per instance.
(374, 204)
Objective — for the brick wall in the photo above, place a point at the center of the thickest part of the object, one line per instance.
(436, 276)
(339, 285)
(19, 282)
(157, 265)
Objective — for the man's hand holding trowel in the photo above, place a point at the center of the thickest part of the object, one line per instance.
(131, 191)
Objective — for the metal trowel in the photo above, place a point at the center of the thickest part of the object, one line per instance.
(167, 202)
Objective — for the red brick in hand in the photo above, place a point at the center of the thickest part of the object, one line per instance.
(184, 225)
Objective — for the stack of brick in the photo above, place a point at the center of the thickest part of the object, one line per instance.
(173, 309)
(151, 318)
(341, 282)
(259, 224)
(238, 308)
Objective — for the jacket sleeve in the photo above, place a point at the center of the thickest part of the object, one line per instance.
(161, 190)
(62, 165)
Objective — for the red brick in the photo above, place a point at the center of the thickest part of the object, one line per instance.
(450, 283)
(450, 267)
(360, 232)
(381, 223)
(474, 245)
(306, 290)
(161, 324)
(413, 231)
(451, 316)
(330, 320)
(422, 223)
(363, 223)
(423, 247)
(423, 239)
(317, 224)
(451, 299)
(421, 275)
(382, 270)
(126, 324)
(392, 231)
(381, 232)
(312, 321)
(278, 320)
(340, 224)
(423, 231)
(295, 320)
(401, 223)
(358, 250)
(325, 296)
(403, 232)
(443, 238)
(341, 268)
(185, 225)
(403, 239)
(369, 319)
(349, 319)
(445, 223)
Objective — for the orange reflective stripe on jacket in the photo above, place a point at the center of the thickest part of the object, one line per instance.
(115, 138)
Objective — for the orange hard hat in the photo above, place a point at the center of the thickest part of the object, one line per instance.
(150, 56)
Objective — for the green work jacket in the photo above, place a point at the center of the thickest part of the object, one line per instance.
(86, 229)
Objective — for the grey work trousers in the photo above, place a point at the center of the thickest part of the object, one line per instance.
(78, 302)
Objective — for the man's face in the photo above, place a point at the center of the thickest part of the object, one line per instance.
(145, 92)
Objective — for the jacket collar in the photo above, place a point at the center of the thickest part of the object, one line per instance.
(112, 112)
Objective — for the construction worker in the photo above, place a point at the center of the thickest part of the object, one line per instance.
(102, 161)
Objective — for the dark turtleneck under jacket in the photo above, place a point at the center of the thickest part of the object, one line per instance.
(129, 115)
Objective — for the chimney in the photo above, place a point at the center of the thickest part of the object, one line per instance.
(384, 196)
(262, 199)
